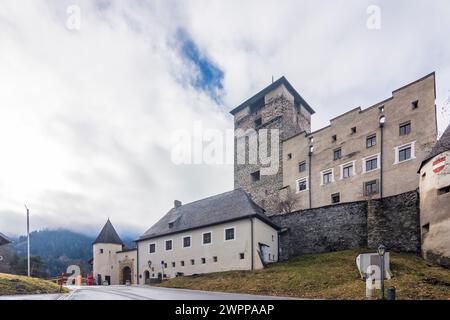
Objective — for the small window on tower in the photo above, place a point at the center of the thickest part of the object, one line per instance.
(335, 198)
(415, 104)
(353, 130)
(289, 156)
(256, 176)
(101, 251)
(334, 138)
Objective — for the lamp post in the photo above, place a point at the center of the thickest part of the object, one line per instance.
(310, 153)
(381, 252)
(162, 266)
(28, 241)
(382, 120)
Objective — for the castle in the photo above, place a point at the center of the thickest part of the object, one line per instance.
(351, 184)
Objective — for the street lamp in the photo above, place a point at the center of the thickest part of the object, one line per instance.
(381, 122)
(381, 252)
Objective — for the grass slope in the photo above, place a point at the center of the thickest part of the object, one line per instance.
(325, 276)
(12, 285)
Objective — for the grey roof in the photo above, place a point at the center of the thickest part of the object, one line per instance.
(3, 239)
(108, 235)
(441, 146)
(228, 206)
(297, 97)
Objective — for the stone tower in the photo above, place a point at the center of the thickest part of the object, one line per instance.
(279, 106)
(105, 249)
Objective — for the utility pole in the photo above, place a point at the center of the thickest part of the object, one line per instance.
(28, 241)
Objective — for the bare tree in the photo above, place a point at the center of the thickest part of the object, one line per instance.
(287, 202)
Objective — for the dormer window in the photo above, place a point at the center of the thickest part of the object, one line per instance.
(258, 122)
(170, 225)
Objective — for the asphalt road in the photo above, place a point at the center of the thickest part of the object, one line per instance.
(139, 293)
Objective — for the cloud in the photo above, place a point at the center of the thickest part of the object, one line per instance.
(86, 116)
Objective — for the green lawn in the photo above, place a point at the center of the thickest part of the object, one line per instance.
(12, 284)
(325, 276)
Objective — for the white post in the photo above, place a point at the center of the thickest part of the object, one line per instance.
(28, 241)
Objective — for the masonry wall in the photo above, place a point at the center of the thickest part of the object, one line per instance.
(392, 221)
(330, 228)
(395, 222)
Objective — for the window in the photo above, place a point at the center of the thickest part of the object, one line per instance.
(258, 122)
(327, 176)
(182, 263)
(203, 260)
(444, 190)
(337, 154)
(334, 138)
(404, 154)
(206, 238)
(170, 225)
(353, 130)
(241, 256)
(256, 176)
(173, 264)
(152, 248)
(165, 265)
(426, 228)
(371, 187)
(229, 234)
(192, 261)
(289, 156)
(215, 258)
(405, 128)
(335, 198)
(371, 141)
(415, 104)
(302, 166)
(101, 251)
(371, 164)
(168, 245)
(186, 242)
(347, 171)
(302, 184)
(381, 109)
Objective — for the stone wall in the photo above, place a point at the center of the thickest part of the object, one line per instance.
(393, 221)
(325, 229)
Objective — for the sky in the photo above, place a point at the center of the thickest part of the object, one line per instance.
(91, 92)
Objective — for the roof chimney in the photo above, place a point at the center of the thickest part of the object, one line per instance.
(177, 203)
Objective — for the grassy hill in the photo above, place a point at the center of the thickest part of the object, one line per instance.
(13, 284)
(325, 276)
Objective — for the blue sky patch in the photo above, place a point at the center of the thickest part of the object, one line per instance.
(209, 76)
